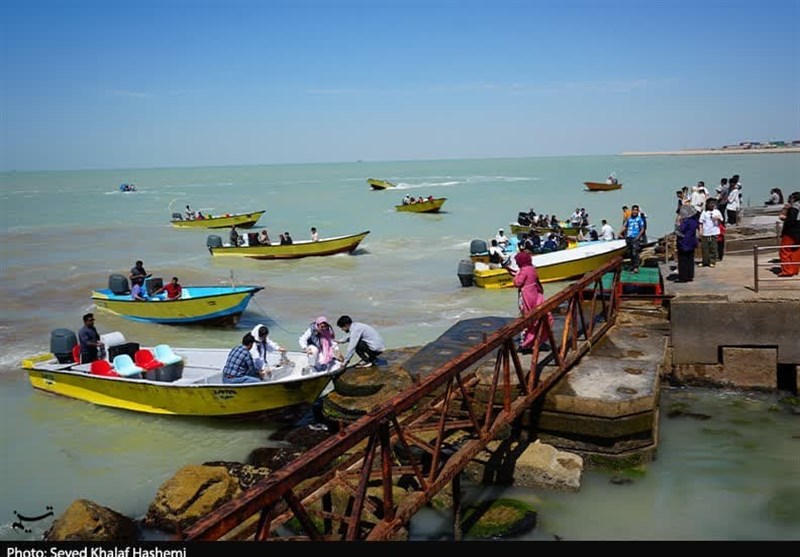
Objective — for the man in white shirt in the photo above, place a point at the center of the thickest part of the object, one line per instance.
(710, 220)
(606, 231)
(502, 239)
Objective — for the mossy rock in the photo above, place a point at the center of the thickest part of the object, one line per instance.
(498, 518)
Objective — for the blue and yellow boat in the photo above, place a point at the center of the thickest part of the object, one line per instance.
(197, 304)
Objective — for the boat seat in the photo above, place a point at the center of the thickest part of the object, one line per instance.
(102, 367)
(123, 364)
(76, 353)
(146, 360)
(165, 355)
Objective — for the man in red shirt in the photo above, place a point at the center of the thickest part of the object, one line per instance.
(173, 289)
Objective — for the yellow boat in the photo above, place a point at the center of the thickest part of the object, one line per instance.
(380, 184)
(197, 304)
(195, 390)
(296, 250)
(556, 265)
(425, 206)
(242, 220)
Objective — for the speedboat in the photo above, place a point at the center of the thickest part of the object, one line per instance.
(172, 381)
(295, 250)
(424, 206)
(553, 266)
(602, 186)
(242, 220)
(377, 184)
(197, 304)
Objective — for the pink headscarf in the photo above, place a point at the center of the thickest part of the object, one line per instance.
(326, 339)
(523, 259)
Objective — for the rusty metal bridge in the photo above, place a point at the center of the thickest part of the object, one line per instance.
(348, 487)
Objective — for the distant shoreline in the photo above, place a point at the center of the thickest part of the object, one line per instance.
(716, 151)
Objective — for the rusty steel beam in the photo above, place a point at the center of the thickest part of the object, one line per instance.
(279, 488)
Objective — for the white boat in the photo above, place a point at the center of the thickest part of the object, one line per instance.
(554, 266)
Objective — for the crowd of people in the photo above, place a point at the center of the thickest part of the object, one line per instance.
(702, 219)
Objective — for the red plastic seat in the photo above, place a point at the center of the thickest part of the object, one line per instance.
(103, 367)
(146, 360)
(76, 353)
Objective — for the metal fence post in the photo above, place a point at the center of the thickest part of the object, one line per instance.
(755, 268)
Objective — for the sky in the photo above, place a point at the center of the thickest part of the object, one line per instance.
(174, 83)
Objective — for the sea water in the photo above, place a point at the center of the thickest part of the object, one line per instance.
(64, 233)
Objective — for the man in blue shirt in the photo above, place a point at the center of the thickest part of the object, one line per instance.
(239, 367)
(633, 230)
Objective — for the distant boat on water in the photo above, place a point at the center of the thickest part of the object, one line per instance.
(380, 184)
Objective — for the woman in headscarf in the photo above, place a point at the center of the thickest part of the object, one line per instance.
(319, 344)
(262, 346)
(688, 223)
(530, 295)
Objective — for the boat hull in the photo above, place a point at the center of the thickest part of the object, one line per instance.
(181, 397)
(200, 305)
(432, 206)
(242, 220)
(601, 186)
(557, 266)
(379, 184)
(297, 250)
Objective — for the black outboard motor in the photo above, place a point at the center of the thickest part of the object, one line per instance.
(523, 219)
(118, 284)
(466, 268)
(478, 247)
(177, 216)
(61, 343)
(213, 241)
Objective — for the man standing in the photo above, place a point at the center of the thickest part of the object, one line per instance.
(709, 222)
(89, 340)
(138, 274)
(632, 230)
(362, 340)
(234, 236)
(239, 367)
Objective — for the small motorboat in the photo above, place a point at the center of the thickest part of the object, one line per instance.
(197, 304)
(172, 381)
(602, 186)
(553, 266)
(377, 184)
(295, 250)
(430, 205)
(242, 220)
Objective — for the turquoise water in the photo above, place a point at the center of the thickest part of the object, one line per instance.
(63, 233)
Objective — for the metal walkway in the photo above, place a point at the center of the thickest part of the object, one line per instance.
(367, 482)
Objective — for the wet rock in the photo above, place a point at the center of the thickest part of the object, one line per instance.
(87, 521)
(499, 518)
(189, 495)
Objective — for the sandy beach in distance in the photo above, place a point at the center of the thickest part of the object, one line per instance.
(716, 151)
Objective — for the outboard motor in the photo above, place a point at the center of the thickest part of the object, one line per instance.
(177, 216)
(61, 343)
(523, 219)
(477, 247)
(118, 284)
(466, 268)
(213, 241)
